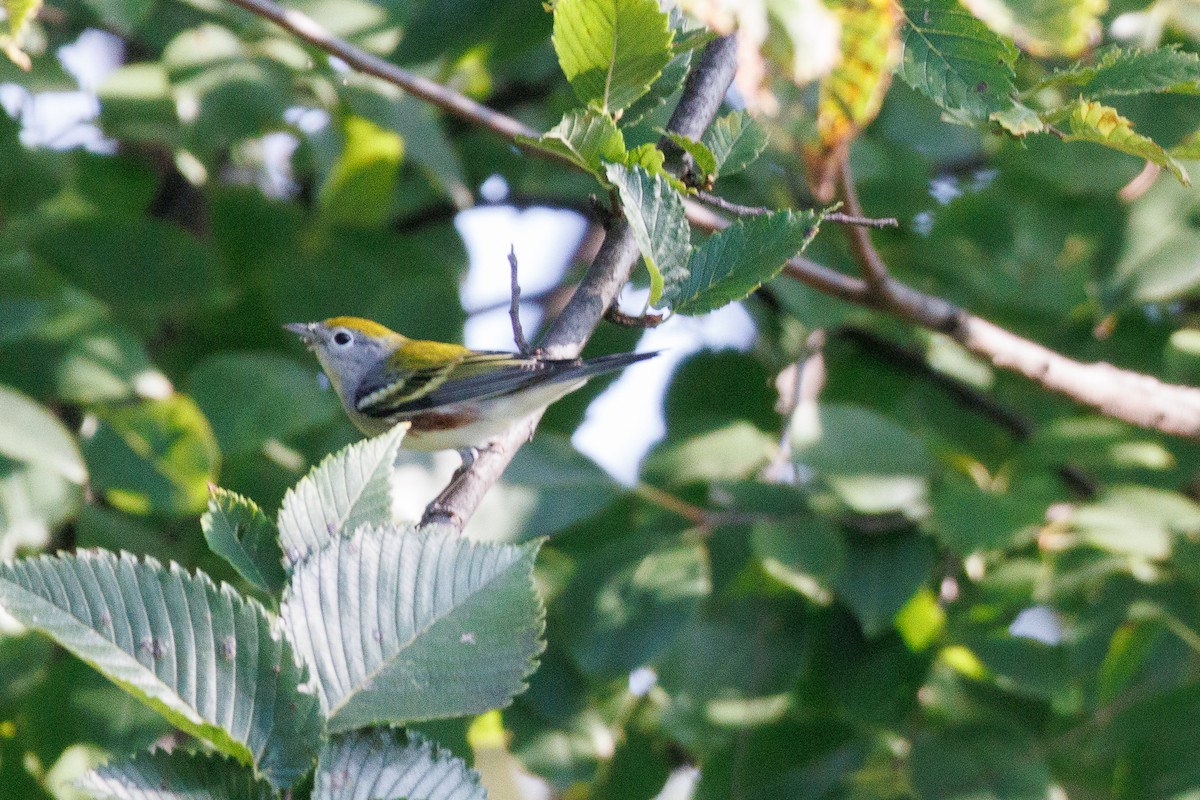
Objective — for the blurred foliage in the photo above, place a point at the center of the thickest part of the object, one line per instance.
(949, 584)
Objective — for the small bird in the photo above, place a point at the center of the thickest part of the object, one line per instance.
(454, 398)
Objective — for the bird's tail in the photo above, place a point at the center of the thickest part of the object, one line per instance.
(609, 363)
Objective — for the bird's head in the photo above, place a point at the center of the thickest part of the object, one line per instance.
(349, 348)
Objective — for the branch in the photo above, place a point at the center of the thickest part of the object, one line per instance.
(829, 216)
(1129, 396)
(514, 306)
(702, 96)
(874, 270)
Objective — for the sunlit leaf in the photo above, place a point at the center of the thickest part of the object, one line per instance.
(207, 659)
(359, 187)
(402, 624)
(852, 94)
(154, 456)
(1093, 122)
(1044, 27)
(611, 50)
(1117, 72)
(587, 138)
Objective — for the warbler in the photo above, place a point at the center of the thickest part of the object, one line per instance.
(453, 397)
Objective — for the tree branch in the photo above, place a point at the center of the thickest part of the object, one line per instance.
(1129, 396)
(702, 95)
(874, 270)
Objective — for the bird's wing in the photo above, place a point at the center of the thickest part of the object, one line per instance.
(474, 376)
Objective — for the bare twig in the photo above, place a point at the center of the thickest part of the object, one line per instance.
(874, 270)
(514, 306)
(1129, 396)
(831, 216)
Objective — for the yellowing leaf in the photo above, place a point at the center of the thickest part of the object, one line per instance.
(1044, 27)
(851, 95)
(1095, 122)
(358, 190)
(20, 13)
(1019, 120)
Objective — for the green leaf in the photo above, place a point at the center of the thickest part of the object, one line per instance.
(1118, 72)
(1157, 260)
(207, 659)
(1045, 28)
(872, 464)
(177, 775)
(386, 764)
(734, 262)
(628, 601)
(41, 473)
(878, 578)
(669, 82)
(706, 162)
(401, 624)
(979, 763)
(798, 550)
(349, 488)
(237, 530)
(951, 57)
(156, 456)
(286, 399)
(1019, 120)
(1137, 520)
(1093, 122)
(358, 189)
(611, 50)
(655, 214)
(732, 452)
(587, 138)
(735, 141)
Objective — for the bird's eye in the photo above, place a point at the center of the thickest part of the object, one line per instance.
(342, 338)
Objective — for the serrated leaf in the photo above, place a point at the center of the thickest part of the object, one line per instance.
(403, 624)
(178, 775)
(611, 50)
(955, 60)
(654, 211)
(649, 157)
(1045, 28)
(203, 656)
(668, 83)
(705, 161)
(386, 764)
(735, 140)
(587, 138)
(1094, 122)
(238, 531)
(1019, 120)
(1119, 72)
(851, 95)
(736, 261)
(351, 487)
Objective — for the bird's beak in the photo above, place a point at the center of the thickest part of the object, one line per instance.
(305, 330)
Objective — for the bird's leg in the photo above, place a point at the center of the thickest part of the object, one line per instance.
(468, 455)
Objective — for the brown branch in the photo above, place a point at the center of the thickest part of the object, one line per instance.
(1129, 396)
(830, 216)
(702, 96)
(514, 306)
(874, 270)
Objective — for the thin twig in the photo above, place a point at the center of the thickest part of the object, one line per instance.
(830, 216)
(1133, 397)
(609, 271)
(514, 306)
(874, 270)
